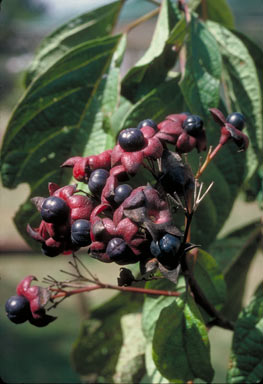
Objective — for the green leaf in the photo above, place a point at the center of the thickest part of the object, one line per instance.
(180, 343)
(234, 254)
(130, 367)
(200, 84)
(246, 94)
(153, 305)
(152, 376)
(246, 361)
(152, 68)
(65, 105)
(220, 12)
(88, 26)
(210, 279)
(96, 351)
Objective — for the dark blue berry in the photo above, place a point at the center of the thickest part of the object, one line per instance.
(131, 139)
(97, 181)
(148, 123)
(237, 120)
(54, 210)
(121, 193)
(169, 246)
(193, 125)
(116, 249)
(18, 309)
(51, 251)
(155, 249)
(80, 233)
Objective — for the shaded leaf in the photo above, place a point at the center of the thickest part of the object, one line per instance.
(131, 365)
(246, 361)
(200, 84)
(246, 94)
(88, 26)
(153, 375)
(234, 254)
(152, 68)
(95, 352)
(180, 343)
(219, 11)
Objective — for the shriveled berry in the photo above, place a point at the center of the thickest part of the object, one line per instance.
(97, 181)
(122, 192)
(51, 251)
(116, 249)
(237, 120)
(148, 123)
(54, 210)
(80, 233)
(131, 139)
(193, 125)
(18, 309)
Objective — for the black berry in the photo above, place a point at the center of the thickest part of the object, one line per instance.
(169, 246)
(54, 210)
(80, 233)
(97, 181)
(131, 139)
(51, 251)
(193, 125)
(121, 193)
(148, 123)
(116, 249)
(18, 309)
(237, 120)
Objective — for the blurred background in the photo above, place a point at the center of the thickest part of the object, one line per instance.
(29, 354)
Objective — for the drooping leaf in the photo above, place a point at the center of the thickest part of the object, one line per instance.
(88, 26)
(152, 68)
(246, 94)
(218, 11)
(62, 114)
(246, 361)
(209, 277)
(95, 352)
(180, 343)
(130, 367)
(234, 254)
(200, 84)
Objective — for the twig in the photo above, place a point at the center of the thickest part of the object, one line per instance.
(211, 154)
(142, 19)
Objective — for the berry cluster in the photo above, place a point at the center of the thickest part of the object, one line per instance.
(118, 222)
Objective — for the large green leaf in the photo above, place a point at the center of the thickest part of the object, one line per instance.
(88, 26)
(96, 351)
(180, 343)
(210, 279)
(218, 11)
(234, 254)
(246, 94)
(246, 361)
(200, 84)
(152, 68)
(62, 114)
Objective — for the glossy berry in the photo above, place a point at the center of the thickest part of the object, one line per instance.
(116, 249)
(121, 193)
(18, 309)
(237, 120)
(193, 125)
(51, 251)
(148, 123)
(131, 139)
(97, 181)
(169, 246)
(54, 210)
(80, 233)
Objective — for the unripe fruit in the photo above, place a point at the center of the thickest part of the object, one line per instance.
(18, 309)
(148, 123)
(116, 249)
(131, 139)
(122, 192)
(80, 233)
(193, 125)
(97, 181)
(237, 120)
(54, 210)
